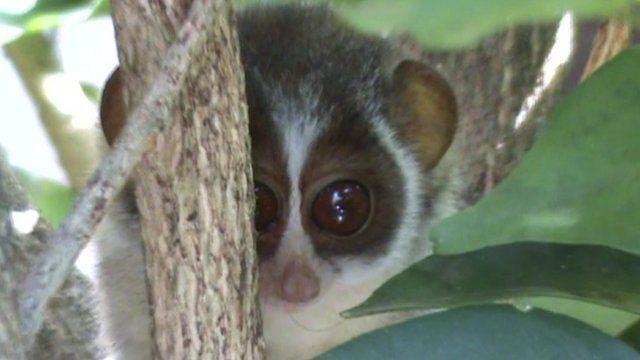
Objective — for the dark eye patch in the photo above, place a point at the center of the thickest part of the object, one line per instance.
(352, 187)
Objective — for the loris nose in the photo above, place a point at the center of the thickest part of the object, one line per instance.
(299, 282)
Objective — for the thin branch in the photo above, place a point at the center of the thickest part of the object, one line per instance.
(55, 264)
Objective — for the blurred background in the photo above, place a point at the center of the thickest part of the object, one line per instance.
(50, 133)
(86, 54)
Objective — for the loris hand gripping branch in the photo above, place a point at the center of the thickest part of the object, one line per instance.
(346, 134)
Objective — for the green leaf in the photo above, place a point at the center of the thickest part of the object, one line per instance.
(580, 181)
(586, 272)
(44, 7)
(632, 336)
(92, 91)
(457, 23)
(486, 333)
(611, 321)
(103, 8)
(54, 200)
(58, 6)
(48, 14)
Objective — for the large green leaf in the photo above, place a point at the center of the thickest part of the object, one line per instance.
(632, 336)
(611, 321)
(587, 272)
(486, 333)
(580, 181)
(455, 23)
(54, 200)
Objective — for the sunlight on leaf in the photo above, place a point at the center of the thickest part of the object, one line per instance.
(612, 321)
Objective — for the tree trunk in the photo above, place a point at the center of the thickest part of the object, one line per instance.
(194, 184)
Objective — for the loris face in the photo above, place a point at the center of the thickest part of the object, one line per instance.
(330, 195)
(344, 135)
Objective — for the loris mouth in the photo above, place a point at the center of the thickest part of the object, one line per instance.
(276, 303)
(315, 316)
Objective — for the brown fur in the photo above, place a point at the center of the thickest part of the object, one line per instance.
(426, 108)
(113, 111)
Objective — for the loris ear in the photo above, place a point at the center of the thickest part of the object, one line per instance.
(425, 108)
(113, 111)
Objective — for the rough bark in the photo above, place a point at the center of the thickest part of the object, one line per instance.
(612, 37)
(194, 184)
(33, 56)
(69, 329)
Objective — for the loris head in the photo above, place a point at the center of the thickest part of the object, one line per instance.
(345, 133)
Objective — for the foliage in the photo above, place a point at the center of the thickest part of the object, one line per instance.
(458, 23)
(486, 332)
(54, 200)
(432, 21)
(578, 185)
(92, 92)
(559, 190)
(632, 336)
(102, 8)
(47, 14)
(591, 273)
(611, 321)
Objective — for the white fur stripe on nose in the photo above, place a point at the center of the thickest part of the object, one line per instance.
(300, 123)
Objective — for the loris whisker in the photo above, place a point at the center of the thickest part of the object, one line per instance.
(312, 329)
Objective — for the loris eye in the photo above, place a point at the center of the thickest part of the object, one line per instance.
(266, 207)
(342, 208)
